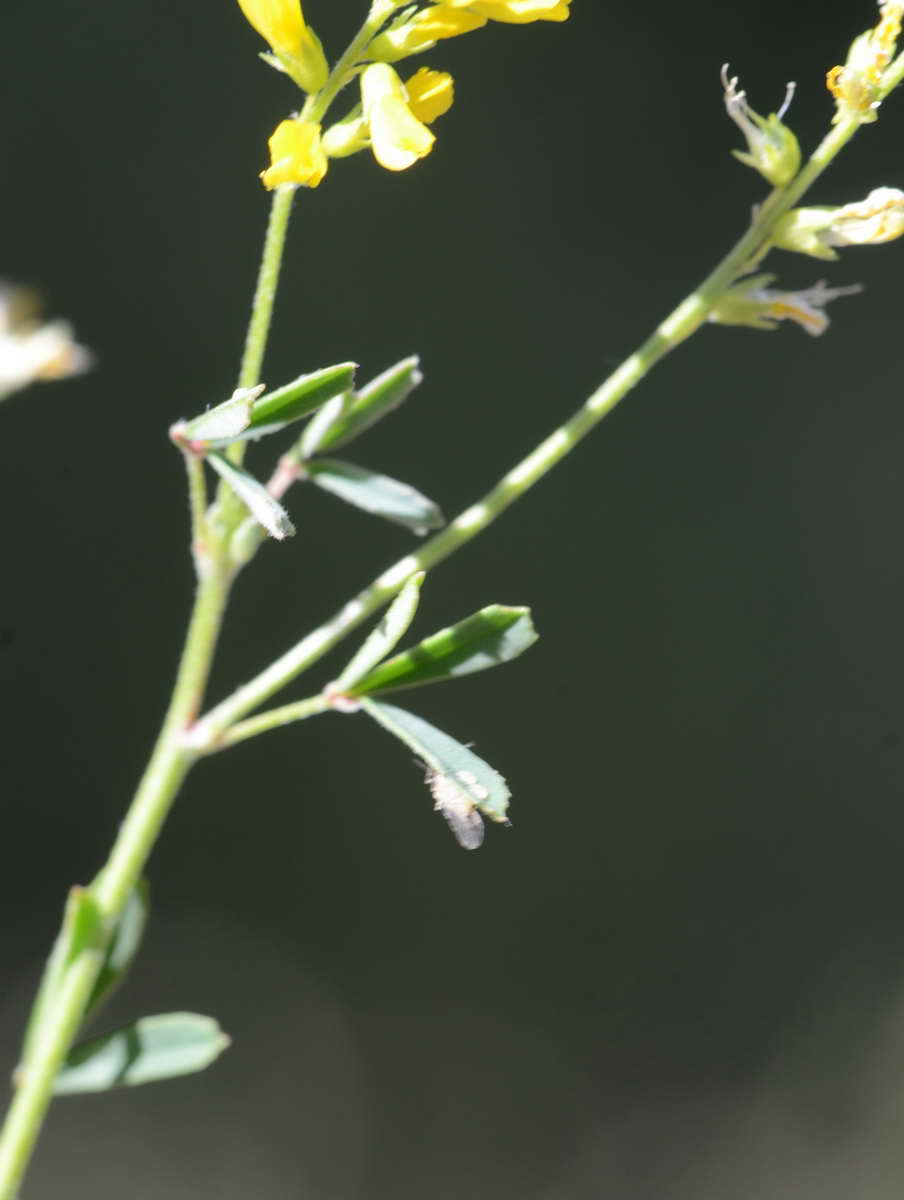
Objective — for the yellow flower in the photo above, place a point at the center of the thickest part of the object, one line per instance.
(398, 138)
(296, 155)
(423, 31)
(516, 12)
(430, 94)
(281, 23)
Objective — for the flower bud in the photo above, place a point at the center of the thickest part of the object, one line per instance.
(773, 149)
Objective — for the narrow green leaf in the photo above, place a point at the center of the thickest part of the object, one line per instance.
(252, 493)
(385, 637)
(303, 395)
(317, 429)
(460, 781)
(81, 927)
(490, 637)
(377, 494)
(149, 1049)
(363, 409)
(122, 948)
(225, 422)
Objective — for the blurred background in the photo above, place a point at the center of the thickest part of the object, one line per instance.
(681, 973)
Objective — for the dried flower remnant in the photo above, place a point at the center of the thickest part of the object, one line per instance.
(31, 351)
(857, 86)
(772, 148)
(816, 231)
(755, 304)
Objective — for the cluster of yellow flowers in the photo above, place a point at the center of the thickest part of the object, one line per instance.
(393, 116)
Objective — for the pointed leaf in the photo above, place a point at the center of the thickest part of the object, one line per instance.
(267, 511)
(149, 1049)
(225, 422)
(319, 426)
(367, 406)
(81, 928)
(122, 948)
(490, 637)
(303, 395)
(385, 637)
(460, 781)
(377, 494)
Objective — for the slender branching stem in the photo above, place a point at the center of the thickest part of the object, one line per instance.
(182, 738)
(679, 325)
(274, 718)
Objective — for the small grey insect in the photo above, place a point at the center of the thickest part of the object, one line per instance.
(463, 818)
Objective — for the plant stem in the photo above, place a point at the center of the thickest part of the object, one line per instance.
(267, 282)
(679, 325)
(30, 1103)
(273, 718)
(169, 763)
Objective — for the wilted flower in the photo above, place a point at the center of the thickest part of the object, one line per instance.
(753, 303)
(857, 85)
(815, 231)
(773, 148)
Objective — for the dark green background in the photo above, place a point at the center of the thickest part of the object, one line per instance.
(680, 973)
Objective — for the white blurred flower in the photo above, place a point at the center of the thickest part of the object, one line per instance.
(30, 350)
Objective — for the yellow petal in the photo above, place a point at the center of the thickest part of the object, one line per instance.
(397, 137)
(430, 94)
(516, 12)
(423, 31)
(279, 22)
(296, 155)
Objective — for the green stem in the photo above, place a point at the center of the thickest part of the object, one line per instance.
(273, 718)
(31, 1101)
(267, 282)
(679, 325)
(170, 761)
(316, 106)
(168, 766)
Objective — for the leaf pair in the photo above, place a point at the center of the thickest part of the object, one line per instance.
(462, 784)
(158, 1047)
(343, 415)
